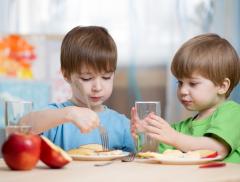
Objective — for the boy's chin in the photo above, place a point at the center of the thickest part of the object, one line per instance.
(190, 108)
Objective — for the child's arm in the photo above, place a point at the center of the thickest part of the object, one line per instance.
(84, 118)
(159, 129)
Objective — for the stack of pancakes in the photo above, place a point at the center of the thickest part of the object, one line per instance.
(93, 149)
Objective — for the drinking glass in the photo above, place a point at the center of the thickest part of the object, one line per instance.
(14, 111)
(145, 143)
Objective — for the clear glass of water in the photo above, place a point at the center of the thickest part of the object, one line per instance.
(14, 111)
(145, 143)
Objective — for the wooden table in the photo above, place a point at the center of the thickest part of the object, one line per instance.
(83, 171)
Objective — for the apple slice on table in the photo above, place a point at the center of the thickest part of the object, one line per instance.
(21, 151)
(52, 155)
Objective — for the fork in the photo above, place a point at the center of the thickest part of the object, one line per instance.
(104, 138)
(128, 158)
(102, 131)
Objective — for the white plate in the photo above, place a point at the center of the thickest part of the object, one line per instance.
(98, 157)
(172, 160)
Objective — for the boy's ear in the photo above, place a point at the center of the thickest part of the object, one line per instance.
(223, 88)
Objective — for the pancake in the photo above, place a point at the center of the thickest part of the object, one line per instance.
(89, 149)
(93, 149)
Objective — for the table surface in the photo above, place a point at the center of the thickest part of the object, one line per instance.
(121, 171)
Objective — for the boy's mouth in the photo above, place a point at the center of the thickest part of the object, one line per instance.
(186, 102)
(95, 99)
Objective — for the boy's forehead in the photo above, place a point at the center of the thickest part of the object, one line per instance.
(90, 70)
(193, 75)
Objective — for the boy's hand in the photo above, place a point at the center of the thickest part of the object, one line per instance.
(84, 118)
(134, 119)
(159, 129)
(136, 123)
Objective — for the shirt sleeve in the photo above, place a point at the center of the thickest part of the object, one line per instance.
(225, 124)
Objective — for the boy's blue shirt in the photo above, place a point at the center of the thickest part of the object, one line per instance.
(68, 136)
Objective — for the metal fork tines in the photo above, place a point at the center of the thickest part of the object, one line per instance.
(129, 158)
(104, 138)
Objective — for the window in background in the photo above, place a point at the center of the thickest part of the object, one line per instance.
(147, 33)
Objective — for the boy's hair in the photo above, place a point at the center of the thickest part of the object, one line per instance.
(209, 55)
(90, 46)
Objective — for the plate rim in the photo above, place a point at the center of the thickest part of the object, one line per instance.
(169, 160)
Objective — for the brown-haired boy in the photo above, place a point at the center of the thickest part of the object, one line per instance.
(88, 63)
(207, 68)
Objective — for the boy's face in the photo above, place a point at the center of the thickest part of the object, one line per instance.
(199, 93)
(97, 87)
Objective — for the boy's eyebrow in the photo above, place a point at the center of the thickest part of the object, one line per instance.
(85, 73)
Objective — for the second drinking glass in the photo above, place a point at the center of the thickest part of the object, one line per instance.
(145, 143)
(14, 111)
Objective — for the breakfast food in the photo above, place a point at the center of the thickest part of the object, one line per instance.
(21, 151)
(93, 149)
(52, 155)
(204, 153)
(89, 149)
(169, 153)
(148, 155)
(173, 153)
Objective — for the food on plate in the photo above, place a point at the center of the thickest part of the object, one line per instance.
(204, 153)
(111, 152)
(170, 153)
(89, 149)
(21, 151)
(93, 149)
(173, 153)
(52, 155)
(148, 155)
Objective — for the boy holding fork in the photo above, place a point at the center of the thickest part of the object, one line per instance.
(88, 64)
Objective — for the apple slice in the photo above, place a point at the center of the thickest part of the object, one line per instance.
(52, 155)
(204, 153)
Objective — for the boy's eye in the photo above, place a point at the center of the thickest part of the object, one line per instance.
(106, 77)
(179, 83)
(193, 84)
(86, 79)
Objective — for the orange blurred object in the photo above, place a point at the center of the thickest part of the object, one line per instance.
(16, 57)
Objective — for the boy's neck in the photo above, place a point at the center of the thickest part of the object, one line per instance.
(208, 112)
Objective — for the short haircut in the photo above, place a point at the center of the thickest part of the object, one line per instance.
(209, 55)
(90, 46)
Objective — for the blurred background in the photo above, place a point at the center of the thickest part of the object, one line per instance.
(147, 33)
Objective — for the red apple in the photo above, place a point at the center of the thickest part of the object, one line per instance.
(21, 151)
(52, 155)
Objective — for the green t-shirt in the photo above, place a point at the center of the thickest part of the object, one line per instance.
(223, 123)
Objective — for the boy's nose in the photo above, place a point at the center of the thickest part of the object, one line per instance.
(97, 85)
(183, 90)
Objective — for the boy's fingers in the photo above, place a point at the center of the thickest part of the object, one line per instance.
(152, 129)
(132, 112)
